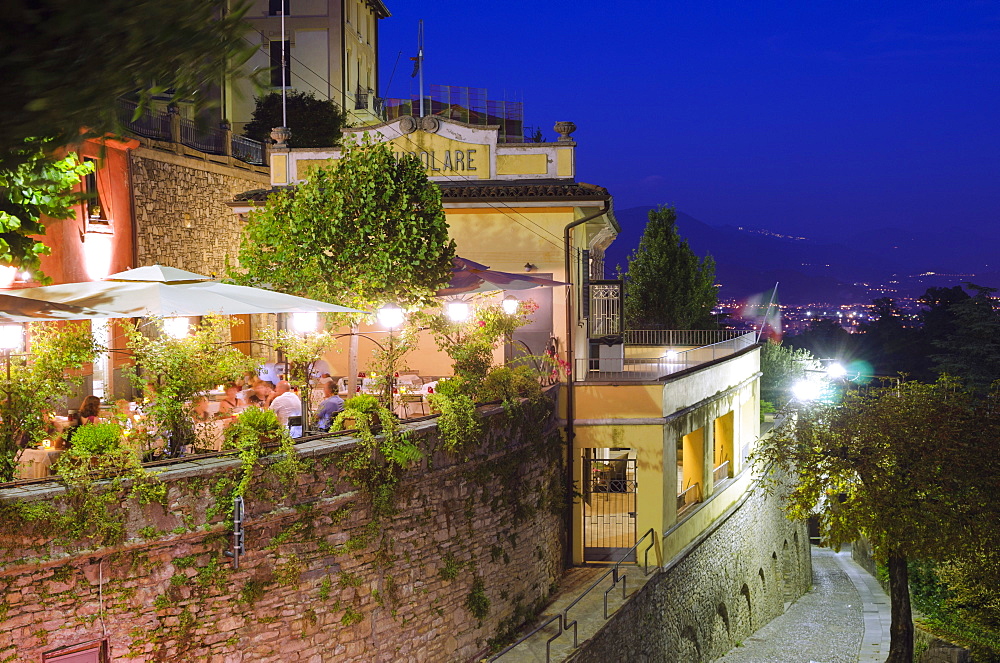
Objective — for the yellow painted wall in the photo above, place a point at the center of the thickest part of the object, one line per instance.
(651, 502)
(724, 439)
(564, 162)
(522, 164)
(692, 459)
(279, 169)
(618, 401)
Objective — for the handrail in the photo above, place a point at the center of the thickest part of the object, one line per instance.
(563, 617)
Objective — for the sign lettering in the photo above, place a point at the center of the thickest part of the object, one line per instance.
(451, 161)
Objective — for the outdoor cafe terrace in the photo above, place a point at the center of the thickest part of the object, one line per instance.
(641, 356)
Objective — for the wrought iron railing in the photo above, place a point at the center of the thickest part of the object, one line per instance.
(248, 150)
(203, 139)
(156, 124)
(148, 124)
(605, 308)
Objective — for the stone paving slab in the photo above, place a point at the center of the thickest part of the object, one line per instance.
(843, 619)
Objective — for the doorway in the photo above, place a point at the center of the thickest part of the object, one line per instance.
(609, 505)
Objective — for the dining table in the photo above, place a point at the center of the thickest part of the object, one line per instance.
(36, 463)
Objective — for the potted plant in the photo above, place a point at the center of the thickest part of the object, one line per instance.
(364, 413)
(255, 427)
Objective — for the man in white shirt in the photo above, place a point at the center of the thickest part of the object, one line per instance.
(286, 403)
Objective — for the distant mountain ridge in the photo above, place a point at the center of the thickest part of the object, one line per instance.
(854, 269)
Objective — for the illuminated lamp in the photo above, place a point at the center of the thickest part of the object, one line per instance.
(176, 327)
(11, 337)
(390, 316)
(510, 305)
(458, 311)
(836, 371)
(806, 390)
(304, 322)
(97, 254)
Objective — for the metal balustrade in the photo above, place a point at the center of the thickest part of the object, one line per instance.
(148, 124)
(672, 361)
(680, 338)
(690, 496)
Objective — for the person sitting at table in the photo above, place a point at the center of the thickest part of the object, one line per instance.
(90, 410)
(286, 404)
(331, 405)
(261, 396)
(229, 401)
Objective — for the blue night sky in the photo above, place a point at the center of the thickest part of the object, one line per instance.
(801, 117)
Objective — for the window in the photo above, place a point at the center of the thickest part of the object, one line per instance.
(276, 7)
(276, 65)
(94, 210)
(91, 652)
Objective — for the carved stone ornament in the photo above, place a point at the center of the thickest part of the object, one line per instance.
(407, 124)
(564, 129)
(281, 136)
(430, 124)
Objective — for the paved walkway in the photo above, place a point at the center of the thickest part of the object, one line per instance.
(843, 619)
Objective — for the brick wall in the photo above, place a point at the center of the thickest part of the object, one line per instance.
(317, 583)
(181, 215)
(731, 581)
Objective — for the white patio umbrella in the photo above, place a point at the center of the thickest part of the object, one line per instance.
(169, 292)
(23, 309)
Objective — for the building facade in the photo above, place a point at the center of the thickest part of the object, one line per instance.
(661, 422)
(331, 51)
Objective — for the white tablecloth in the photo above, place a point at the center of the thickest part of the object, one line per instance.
(35, 463)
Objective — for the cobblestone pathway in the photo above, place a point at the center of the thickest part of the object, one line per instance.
(843, 619)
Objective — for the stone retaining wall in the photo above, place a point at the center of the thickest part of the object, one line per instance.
(728, 583)
(475, 546)
(181, 216)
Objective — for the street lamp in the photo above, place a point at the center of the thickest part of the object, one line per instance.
(458, 311)
(836, 371)
(390, 316)
(807, 390)
(304, 322)
(177, 327)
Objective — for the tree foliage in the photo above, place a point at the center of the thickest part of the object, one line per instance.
(37, 185)
(181, 368)
(368, 230)
(781, 366)
(38, 382)
(67, 62)
(666, 285)
(972, 350)
(907, 465)
(314, 122)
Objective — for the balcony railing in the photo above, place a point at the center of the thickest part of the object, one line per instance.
(690, 496)
(672, 361)
(169, 127)
(679, 338)
(149, 124)
(721, 473)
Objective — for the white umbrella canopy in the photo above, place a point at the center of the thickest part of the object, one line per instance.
(23, 309)
(140, 293)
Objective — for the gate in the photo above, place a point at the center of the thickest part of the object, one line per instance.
(609, 523)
